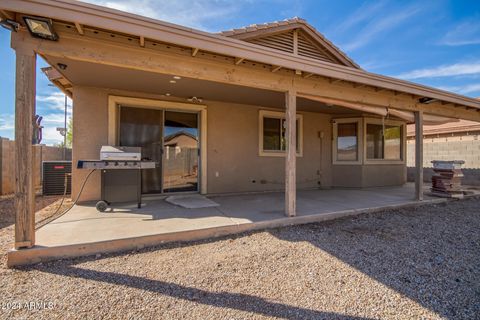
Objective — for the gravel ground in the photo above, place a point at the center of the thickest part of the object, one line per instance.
(398, 264)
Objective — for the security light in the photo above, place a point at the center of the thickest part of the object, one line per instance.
(10, 25)
(41, 28)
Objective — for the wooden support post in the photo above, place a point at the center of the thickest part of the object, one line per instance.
(291, 153)
(24, 115)
(419, 155)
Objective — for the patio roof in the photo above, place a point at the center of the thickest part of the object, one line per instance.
(82, 14)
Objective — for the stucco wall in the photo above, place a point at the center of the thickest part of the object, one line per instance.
(233, 164)
(90, 132)
(371, 175)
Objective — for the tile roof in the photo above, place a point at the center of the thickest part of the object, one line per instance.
(255, 27)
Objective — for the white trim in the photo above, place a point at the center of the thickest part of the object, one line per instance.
(359, 122)
(113, 118)
(278, 115)
(403, 142)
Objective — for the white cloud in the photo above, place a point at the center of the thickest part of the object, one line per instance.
(7, 122)
(196, 13)
(466, 33)
(457, 69)
(363, 13)
(381, 25)
(53, 101)
(50, 136)
(466, 89)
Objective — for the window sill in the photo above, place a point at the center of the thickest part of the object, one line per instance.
(347, 163)
(382, 161)
(277, 154)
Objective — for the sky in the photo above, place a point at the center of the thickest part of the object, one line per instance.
(431, 42)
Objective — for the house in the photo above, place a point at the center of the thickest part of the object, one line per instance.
(449, 141)
(269, 107)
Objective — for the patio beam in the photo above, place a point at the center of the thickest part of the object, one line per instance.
(291, 153)
(131, 56)
(419, 155)
(24, 160)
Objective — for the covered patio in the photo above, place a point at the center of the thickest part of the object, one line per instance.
(298, 126)
(84, 231)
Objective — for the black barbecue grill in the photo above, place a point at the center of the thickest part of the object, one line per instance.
(121, 179)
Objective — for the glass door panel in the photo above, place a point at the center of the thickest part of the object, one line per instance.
(144, 128)
(181, 151)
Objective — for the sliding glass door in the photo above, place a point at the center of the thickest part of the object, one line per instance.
(171, 138)
(181, 149)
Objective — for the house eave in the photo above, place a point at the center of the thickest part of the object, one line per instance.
(126, 23)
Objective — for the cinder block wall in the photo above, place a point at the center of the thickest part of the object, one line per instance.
(465, 148)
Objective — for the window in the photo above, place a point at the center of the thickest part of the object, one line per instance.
(384, 141)
(347, 142)
(273, 131)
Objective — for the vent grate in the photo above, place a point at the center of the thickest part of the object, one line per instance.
(53, 177)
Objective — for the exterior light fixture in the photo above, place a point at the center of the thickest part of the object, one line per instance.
(41, 28)
(10, 25)
(173, 81)
(195, 99)
(167, 94)
(426, 100)
(177, 77)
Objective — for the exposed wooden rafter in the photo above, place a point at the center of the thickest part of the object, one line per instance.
(239, 60)
(276, 68)
(7, 14)
(79, 28)
(307, 75)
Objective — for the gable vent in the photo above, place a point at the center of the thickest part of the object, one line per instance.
(307, 49)
(281, 41)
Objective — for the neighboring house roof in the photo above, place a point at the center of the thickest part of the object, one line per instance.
(446, 128)
(293, 35)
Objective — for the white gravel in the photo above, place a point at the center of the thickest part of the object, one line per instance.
(400, 264)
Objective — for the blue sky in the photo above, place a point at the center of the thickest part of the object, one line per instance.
(432, 42)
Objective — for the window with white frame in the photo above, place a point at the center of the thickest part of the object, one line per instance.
(272, 139)
(384, 140)
(347, 141)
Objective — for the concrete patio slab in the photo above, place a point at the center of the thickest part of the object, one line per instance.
(83, 230)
